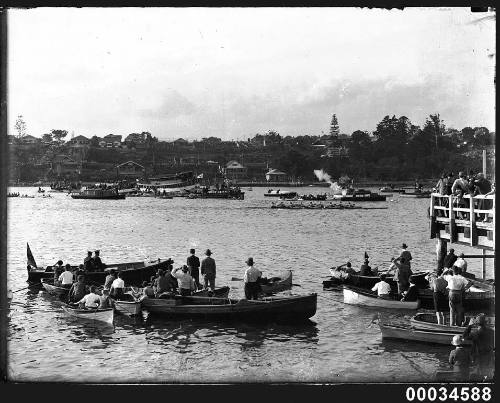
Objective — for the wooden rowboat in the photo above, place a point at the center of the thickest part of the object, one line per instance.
(293, 308)
(428, 321)
(98, 315)
(368, 282)
(278, 284)
(128, 305)
(134, 273)
(153, 304)
(394, 331)
(52, 289)
(220, 292)
(360, 296)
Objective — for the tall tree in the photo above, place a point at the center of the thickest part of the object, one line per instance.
(334, 126)
(20, 126)
(59, 134)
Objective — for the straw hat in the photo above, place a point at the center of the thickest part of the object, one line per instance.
(457, 340)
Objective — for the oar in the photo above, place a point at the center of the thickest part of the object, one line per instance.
(32, 285)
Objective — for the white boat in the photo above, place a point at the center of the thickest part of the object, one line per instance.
(129, 306)
(428, 321)
(99, 315)
(360, 296)
(394, 331)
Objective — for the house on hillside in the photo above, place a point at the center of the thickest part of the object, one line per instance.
(234, 170)
(111, 141)
(180, 142)
(79, 142)
(29, 139)
(63, 165)
(275, 175)
(130, 169)
(135, 138)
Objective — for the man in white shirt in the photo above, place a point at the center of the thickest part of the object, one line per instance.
(117, 287)
(457, 284)
(251, 279)
(185, 280)
(383, 288)
(461, 264)
(66, 277)
(90, 300)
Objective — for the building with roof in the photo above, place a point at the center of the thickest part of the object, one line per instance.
(79, 142)
(111, 141)
(130, 169)
(234, 170)
(275, 175)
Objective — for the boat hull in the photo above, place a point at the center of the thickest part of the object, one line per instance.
(130, 308)
(368, 282)
(428, 321)
(134, 273)
(92, 315)
(360, 297)
(108, 197)
(297, 308)
(277, 286)
(409, 334)
(54, 290)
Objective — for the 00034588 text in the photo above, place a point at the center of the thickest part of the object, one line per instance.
(443, 393)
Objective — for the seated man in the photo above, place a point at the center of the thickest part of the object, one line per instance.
(383, 288)
(117, 287)
(66, 277)
(105, 301)
(78, 289)
(365, 269)
(90, 300)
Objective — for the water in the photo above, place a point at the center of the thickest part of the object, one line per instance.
(339, 345)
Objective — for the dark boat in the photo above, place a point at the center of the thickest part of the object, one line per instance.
(100, 194)
(289, 309)
(480, 296)
(359, 195)
(368, 282)
(277, 284)
(228, 193)
(133, 273)
(283, 194)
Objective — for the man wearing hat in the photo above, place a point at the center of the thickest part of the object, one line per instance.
(208, 271)
(406, 254)
(194, 267)
(460, 359)
(251, 279)
(450, 259)
(483, 344)
(460, 188)
(88, 262)
(98, 265)
(461, 264)
(186, 282)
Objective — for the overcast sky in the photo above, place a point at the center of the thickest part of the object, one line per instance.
(232, 72)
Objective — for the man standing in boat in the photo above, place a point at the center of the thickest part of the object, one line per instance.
(208, 270)
(186, 281)
(98, 264)
(88, 262)
(406, 254)
(194, 267)
(251, 279)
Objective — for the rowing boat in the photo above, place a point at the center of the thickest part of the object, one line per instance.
(127, 305)
(55, 290)
(428, 321)
(395, 331)
(360, 296)
(166, 299)
(480, 296)
(99, 315)
(133, 273)
(292, 308)
(277, 284)
(367, 282)
(220, 292)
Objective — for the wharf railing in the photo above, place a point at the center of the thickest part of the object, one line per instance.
(467, 220)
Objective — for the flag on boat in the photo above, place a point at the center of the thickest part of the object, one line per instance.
(31, 259)
(200, 176)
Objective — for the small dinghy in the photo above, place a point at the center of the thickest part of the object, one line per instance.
(97, 315)
(277, 284)
(127, 305)
(363, 297)
(55, 290)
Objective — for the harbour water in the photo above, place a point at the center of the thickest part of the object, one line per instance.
(339, 345)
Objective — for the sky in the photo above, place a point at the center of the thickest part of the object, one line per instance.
(235, 72)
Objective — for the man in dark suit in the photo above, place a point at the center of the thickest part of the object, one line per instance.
(194, 267)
